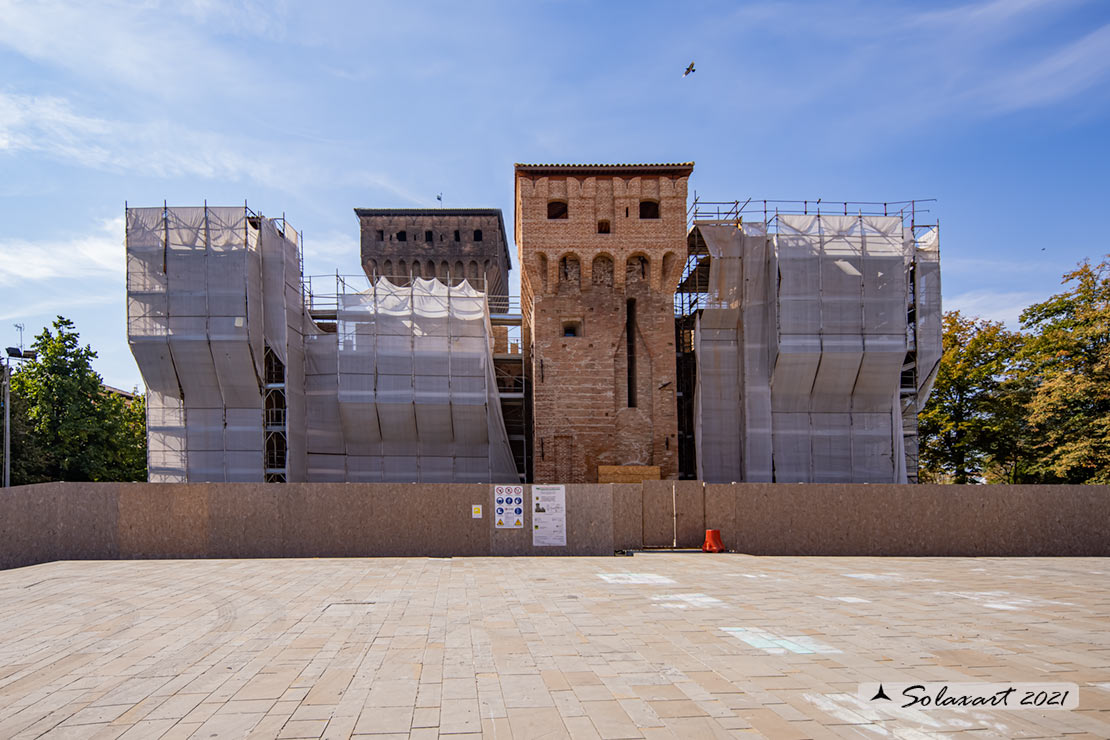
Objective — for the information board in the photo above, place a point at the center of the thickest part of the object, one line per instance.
(549, 516)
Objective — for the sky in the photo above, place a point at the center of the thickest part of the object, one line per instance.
(999, 109)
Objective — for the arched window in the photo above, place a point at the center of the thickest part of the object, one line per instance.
(444, 272)
(649, 209)
(373, 268)
(602, 271)
(570, 271)
(387, 268)
(458, 273)
(636, 268)
(430, 269)
(669, 260)
(557, 209)
(472, 273)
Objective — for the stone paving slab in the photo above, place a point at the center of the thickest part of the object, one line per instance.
(658, 645)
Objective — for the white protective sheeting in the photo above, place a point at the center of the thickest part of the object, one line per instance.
(414, 390)
(196, 328)
(801, 347)
(405, 391)
(928, 311)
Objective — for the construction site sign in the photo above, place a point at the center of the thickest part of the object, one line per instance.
(508, 507)
(549, 516)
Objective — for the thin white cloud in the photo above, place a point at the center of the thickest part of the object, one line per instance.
(62, 304)
(91, 256)
(1066, 73)
(149, 47)
(1004, 306)
(49, 126)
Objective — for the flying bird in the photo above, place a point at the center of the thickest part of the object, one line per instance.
(689, 70)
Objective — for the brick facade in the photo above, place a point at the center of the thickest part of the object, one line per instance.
(588, 407)
(453, 250)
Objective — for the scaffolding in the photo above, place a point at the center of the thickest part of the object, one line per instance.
(403, 387)
(815, 339)
(212, 294)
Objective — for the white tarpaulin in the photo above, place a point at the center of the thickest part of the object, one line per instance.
(800, 349)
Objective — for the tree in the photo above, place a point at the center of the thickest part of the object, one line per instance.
(77, 430)
(27, 455)
(961, 424)
(1067, 366)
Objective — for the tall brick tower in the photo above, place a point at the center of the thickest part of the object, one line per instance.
(601, 249)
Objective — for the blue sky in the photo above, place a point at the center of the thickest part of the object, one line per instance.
(1000, 109)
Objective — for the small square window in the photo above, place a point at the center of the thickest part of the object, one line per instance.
(428, 237)
(402, 236)
(477, 235)
(649, 209)
(572, 328)
(381, 235)
(603, 227)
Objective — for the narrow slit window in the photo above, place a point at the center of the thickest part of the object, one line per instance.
(630, 344)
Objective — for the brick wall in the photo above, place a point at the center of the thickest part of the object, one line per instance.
(384, 254)
(573, 276)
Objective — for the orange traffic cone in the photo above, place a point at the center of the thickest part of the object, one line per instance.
(713, 541)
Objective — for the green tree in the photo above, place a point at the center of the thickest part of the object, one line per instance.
(1067, 368)
(960, 427)
(77, 430)
(28, 458)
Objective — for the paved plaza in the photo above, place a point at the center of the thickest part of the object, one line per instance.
(680, 645)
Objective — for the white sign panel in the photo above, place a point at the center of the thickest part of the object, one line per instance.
(549, 516)
(508, 507)
(476, 511)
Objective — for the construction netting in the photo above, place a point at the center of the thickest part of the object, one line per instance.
(195, 326)
(802, 345)
(405, 390)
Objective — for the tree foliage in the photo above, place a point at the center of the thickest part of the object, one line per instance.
(961, 420)
(1025, 407)
(67, 425)
(1067, 366)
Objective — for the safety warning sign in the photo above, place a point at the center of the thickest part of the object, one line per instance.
(508, 507)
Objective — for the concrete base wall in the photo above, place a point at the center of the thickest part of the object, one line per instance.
(103, 521)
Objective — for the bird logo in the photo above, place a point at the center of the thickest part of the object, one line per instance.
(689, 70)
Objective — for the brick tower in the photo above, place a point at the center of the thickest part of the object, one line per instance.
(601, 249)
